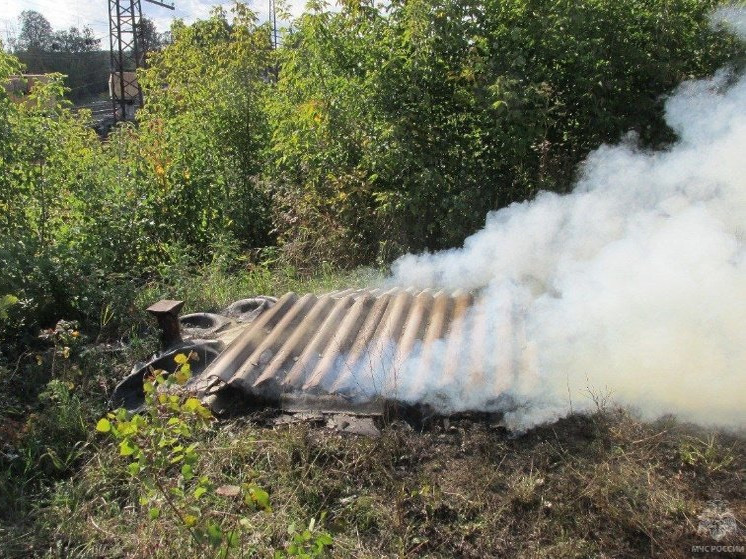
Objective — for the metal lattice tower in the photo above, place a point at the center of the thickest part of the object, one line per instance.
(274, 36)
(127, 55)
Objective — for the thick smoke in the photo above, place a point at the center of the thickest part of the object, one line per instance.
(633, 285)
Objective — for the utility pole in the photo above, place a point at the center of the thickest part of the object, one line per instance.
(127, 55)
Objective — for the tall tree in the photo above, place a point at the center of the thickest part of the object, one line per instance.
(43, 50)
(152, 40)
(36, 32)
(75, 41)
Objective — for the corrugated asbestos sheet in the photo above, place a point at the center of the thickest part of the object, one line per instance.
(352, 350)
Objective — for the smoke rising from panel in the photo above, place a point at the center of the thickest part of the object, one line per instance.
(633, 285)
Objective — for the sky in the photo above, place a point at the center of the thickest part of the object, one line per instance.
(63, 14)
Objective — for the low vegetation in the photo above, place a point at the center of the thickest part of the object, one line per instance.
(78, 480)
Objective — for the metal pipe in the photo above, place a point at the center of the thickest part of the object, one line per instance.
(167, 314)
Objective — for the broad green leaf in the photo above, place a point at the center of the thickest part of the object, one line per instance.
(260, 497)
(127, 428)
(187, 472)
(126, 448)
(214, 533)
(232, 538)
(103, 425)
(191, 405)
(324, 539)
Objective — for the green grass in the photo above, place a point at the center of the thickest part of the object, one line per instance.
(212, 289)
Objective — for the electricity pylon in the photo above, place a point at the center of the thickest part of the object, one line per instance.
(272, 15)
(127, 55)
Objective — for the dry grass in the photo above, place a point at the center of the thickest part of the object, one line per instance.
(604, 485)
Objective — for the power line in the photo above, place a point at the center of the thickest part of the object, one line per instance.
(161, 4)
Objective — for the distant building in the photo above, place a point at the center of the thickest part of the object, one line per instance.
(131, 96)
(20, 86)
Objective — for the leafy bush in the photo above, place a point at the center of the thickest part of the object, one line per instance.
(201, 138)
(400, 130)
(159, 448)
(114, 213)
(43, 423)
(62, 216)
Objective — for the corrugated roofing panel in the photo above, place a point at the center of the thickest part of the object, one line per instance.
(354, 349)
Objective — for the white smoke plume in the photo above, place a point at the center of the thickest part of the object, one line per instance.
(633, 284)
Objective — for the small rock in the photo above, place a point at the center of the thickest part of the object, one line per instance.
(353, 424)
(347, 500)
(228, 490)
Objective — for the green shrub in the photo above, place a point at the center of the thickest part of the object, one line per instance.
(386, 131)
(159, 448)
(400, 130)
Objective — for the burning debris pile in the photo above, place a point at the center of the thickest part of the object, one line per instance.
(349, 351)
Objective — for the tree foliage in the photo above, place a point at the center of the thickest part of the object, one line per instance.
(36, 32)
(203, 135)
(402, 128)
(179, 184)
(74, 52)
